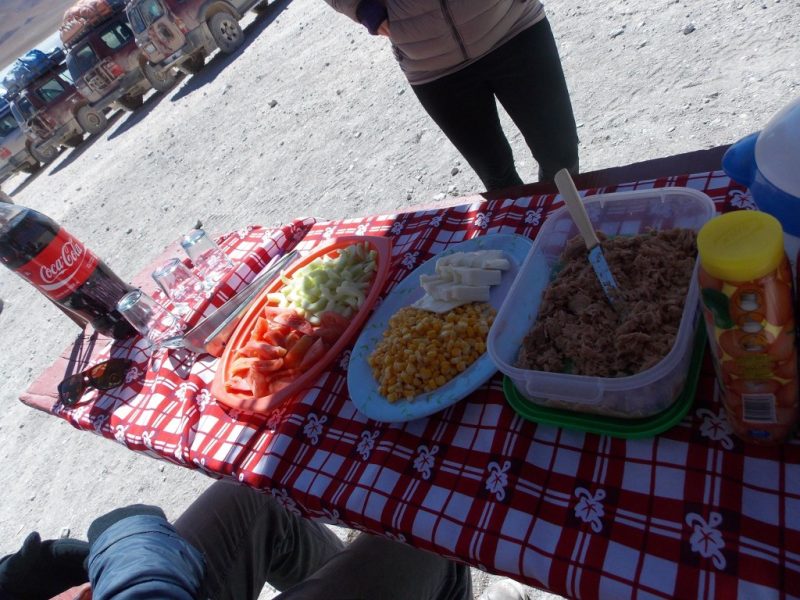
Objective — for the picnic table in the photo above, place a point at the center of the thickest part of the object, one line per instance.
(691, 513)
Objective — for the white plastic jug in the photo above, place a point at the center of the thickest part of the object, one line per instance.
(768, 162)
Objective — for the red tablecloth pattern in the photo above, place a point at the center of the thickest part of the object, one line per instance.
(693, 513)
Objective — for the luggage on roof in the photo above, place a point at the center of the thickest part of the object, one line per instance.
(29, 66)
(85, 14)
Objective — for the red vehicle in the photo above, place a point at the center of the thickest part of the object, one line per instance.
(179, 34)
(106, 64)
(52, 113)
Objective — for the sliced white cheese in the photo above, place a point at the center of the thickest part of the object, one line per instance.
(461, 278)
(501, 264)
(468, 293)
(436, 287)
(436, 306)
(470, 275)
(472, 259)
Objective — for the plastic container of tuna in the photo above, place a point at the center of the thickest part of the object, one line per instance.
(643, 394)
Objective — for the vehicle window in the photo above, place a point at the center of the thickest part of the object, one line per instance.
(136, 19)
(151, 10)
(50, 89)
(81, 60)
(116, 36)
(65, 75)
(23, 109)
(7, 124)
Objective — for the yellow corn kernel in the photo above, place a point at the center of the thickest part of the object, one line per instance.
(421, 351)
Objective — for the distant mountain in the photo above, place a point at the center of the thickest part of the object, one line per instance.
(25, 23)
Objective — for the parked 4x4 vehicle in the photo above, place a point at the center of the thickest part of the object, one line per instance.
(179, 34)
(48, 108)
(104, 60)
(15, 154)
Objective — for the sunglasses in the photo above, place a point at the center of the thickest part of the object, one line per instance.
(103, 376)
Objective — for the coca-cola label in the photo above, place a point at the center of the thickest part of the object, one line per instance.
(61, 268)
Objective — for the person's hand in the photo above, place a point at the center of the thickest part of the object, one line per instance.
(81, 592)
(43, 569)
(383, 29)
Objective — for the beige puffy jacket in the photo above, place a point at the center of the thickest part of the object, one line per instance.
(433, 38)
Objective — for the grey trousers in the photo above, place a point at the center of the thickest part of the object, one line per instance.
(249, 539)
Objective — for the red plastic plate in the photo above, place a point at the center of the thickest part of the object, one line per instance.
(241, 335)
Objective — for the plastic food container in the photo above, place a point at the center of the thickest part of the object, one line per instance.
(637, 396)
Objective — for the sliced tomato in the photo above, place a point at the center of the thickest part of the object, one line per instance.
(262, 350)
(260, 383)
(238, 384)
(262, 326)
(314, 354)
(282, 329)
(291, 340)
(275, 338)
(270, 311)
(294, 321)
(296, 353)
(241, 364)
(332, 326)
(268, 366)
(328, 334)
(330, 318)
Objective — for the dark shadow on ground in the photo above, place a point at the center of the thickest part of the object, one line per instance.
(30, 178)
(220, 60)
(135, 117)
(88, 142)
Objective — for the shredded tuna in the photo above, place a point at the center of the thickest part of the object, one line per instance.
(578, 332)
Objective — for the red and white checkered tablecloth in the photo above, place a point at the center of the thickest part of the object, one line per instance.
(692, 513)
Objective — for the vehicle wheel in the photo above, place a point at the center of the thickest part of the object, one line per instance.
(194, 64)
(162, 81)
(44, 155)
(31, 168)
(261, 7)
(131, 103)
(74, 141)
(226, 32)
(91, 121)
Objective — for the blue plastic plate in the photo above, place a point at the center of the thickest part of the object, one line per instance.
(362, 385)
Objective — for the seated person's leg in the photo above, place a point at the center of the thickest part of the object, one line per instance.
(248, 539)
(376, 568)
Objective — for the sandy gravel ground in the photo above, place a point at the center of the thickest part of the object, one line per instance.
(312, 117)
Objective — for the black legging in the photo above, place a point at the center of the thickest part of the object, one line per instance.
(526, 77)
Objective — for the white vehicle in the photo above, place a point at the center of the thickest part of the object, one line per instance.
(15, 153)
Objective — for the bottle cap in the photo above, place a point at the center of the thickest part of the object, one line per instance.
(741, 246)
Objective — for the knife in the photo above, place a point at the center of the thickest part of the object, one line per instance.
(577, 211)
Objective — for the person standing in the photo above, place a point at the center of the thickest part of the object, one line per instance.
(461, 56)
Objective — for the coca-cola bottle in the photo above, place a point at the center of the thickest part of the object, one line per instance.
(62, 268)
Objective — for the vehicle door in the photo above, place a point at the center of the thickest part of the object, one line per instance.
(97, 62)
(119, 44)
(26, 108)
(51, 93)
(159, 32)
(8, 128)
(91, 75)
(58, 94)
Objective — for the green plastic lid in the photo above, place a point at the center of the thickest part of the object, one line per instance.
(615, 426)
